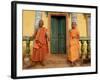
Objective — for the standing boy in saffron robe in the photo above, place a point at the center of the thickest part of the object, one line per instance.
(40, 46)
(74, 53)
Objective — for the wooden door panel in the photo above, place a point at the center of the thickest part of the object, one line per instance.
(58, 34)
(54, 35)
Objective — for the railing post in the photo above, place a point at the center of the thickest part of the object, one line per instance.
(88, 49)
(82, 47)
(26, 58)
(28, 46)
(85, 58)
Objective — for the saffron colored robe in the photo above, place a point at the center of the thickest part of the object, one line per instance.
(40, 45)
(74, 47)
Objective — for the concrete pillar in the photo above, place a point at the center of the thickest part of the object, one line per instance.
(88, 25)
(74, 17)
(38, 17)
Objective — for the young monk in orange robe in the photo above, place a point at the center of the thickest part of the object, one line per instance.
(40, 46)
(74, 46)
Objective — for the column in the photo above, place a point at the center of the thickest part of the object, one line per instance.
(38, 17)
(88, 25)
(74, 17)
(88, 21)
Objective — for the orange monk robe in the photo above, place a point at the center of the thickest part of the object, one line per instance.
(74, 47)
(40, 46)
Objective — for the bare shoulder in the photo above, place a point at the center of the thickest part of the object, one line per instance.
(77, 31)
(45, 28)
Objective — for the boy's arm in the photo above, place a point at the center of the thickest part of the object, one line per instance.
(34, 34)
(47, 36)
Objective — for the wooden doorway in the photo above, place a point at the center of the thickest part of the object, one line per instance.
(65, 18)
(58, 34)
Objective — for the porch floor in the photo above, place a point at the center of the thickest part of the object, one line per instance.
(55, 61)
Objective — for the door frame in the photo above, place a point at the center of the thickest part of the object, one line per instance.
(67, 32)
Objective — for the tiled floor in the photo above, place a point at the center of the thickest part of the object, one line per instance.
(54, 61)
